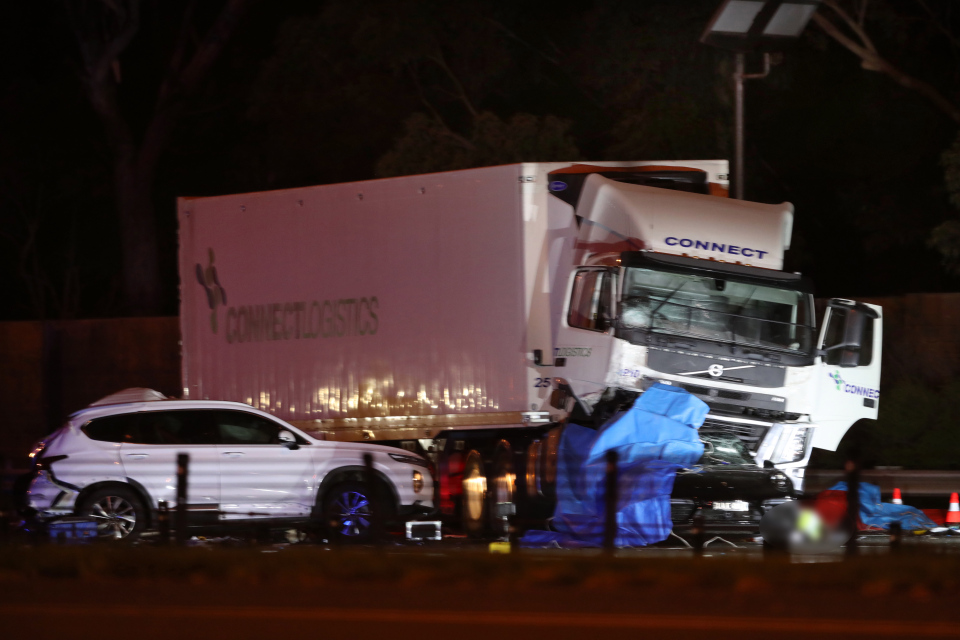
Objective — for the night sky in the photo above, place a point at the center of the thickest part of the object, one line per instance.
(309, 93)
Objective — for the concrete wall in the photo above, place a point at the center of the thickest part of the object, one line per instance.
(921, 339)
(51, 369)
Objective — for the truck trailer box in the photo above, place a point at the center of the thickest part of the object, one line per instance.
(403, 302)
(399, 297)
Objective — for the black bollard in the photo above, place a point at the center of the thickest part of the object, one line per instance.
(370, 485)
(853, 505)
(610, 513)
(698, 531)
(515, 520)
(896, 537)
(183, 468)
(163, 521)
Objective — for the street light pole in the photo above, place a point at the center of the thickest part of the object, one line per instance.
(746, 26)
(739, 75)
(738, 126)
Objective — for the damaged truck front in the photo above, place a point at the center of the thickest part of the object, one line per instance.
(693, 296)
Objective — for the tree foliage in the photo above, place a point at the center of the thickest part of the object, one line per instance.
(104, 31)
(427, 146)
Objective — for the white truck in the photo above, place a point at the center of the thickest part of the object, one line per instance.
(470, 314)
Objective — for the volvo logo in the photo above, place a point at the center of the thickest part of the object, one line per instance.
(715, 370)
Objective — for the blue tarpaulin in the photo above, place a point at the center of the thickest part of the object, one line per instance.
(874, 513)
(653, 439)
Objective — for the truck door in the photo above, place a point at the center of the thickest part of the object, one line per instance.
(849, 369)
(584, 338)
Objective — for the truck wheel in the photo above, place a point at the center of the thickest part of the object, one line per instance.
(473, 505)
(532, 477)
(504, 490)
(119, 513)
(549, 450)
(348, 512)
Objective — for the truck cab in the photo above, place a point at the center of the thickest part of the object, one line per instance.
(679, 310)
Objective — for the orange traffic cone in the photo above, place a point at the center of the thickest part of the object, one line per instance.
(953, 513)
(896, 497)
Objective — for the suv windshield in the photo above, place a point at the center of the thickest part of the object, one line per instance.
(716, 309)
(725, 450)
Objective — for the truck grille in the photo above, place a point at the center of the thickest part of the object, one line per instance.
(681, 511)
(751, 435)
(717, 393)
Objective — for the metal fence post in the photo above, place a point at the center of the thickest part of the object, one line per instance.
(163, 521)
(853, 505)
(698, 533)
(610, 514)
(896, 537)
(183, 467)
(370, 483)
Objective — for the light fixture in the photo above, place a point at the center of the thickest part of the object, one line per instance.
(758, 25)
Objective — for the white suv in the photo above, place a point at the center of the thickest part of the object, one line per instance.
(116, 462)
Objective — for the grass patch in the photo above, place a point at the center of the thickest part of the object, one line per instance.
(315, 566)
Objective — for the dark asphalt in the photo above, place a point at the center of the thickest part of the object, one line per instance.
(46, 608)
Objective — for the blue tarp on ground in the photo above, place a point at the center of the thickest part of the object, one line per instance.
(657, 436)
(874, 513)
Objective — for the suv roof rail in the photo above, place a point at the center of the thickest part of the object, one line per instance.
(135, 394)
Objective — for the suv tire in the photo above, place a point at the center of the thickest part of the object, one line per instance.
(353, 512)
(119, 512)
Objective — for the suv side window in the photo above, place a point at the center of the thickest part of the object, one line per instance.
(178, 427)
(237, 427)
(120, 428)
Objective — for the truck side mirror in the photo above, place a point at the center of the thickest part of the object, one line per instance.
(849, 324)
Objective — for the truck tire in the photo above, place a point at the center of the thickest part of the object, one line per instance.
(503, 490)
(473, 506)
(549, 451)
(532, 476)
(119, 512)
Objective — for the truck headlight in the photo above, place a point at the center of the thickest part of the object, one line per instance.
(780, 481)
(417, 482)
(792, 446)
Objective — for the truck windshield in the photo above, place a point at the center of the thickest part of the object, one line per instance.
(716, 309)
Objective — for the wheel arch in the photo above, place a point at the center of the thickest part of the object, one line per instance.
(353, 473)
(130, 485)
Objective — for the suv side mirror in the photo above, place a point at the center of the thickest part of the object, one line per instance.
(288, 440)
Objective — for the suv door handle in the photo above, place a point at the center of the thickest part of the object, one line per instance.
(137, 455)
(233, 454)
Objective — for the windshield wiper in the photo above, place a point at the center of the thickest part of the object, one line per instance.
(733, 326)
(666, 299)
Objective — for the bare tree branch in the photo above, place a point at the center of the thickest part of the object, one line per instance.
(510, 34)
(938, 23)
(182, 84)
(104, 29)
(854, 25)
(466, 144)
(872, 60)
(862, 13)
(99, 48)
(439, 59)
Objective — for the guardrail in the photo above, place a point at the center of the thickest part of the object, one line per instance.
(914, 483)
